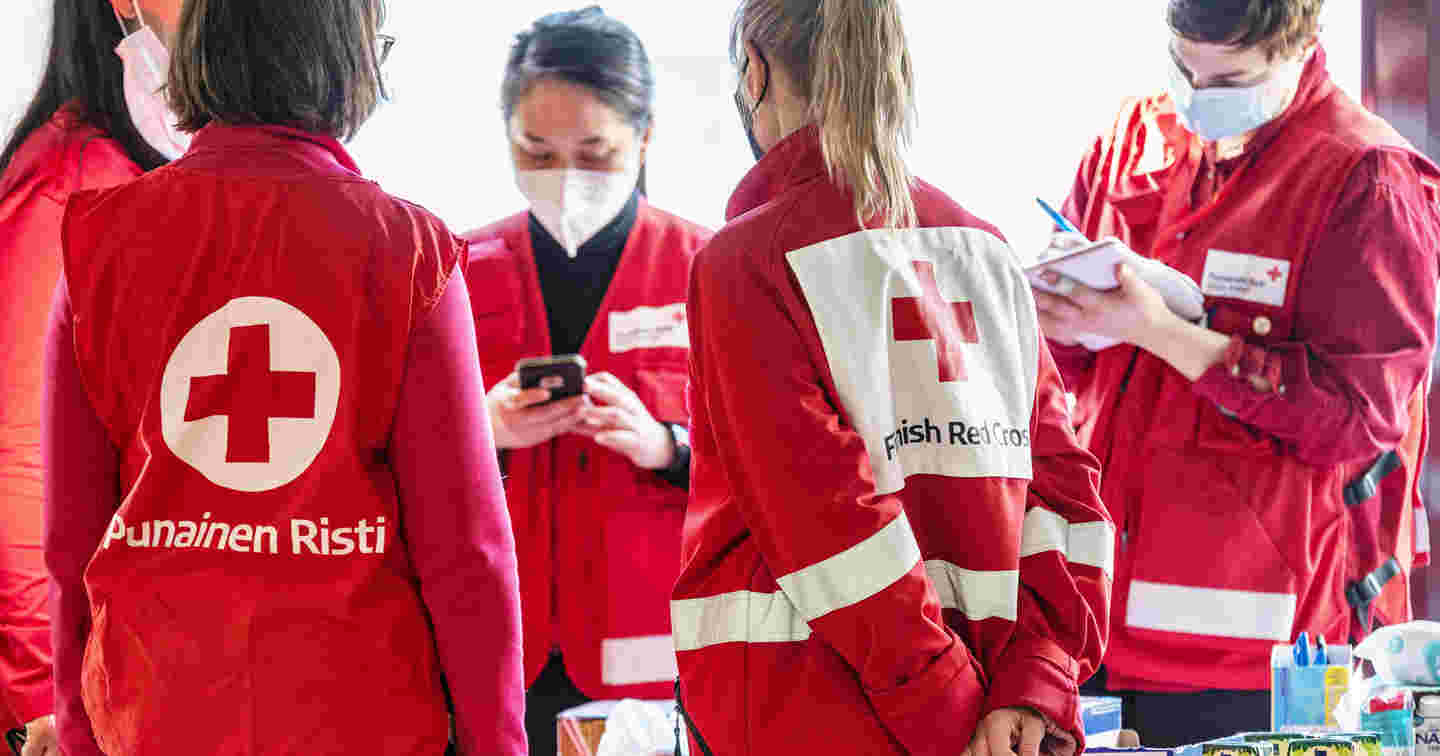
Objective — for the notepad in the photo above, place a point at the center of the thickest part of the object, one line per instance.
(1093, 265)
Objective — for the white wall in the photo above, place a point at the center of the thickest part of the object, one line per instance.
(1010, 95)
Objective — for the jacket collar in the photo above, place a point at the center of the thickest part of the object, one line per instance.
(315, 151)
(795, 160)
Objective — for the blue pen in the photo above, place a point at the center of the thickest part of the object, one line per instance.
(1322, 654)
(1302, 650)
(1060, 221)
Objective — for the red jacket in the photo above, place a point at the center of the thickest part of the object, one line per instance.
(598, 538)
(63, 156)
(268, 584)
(892, 530)
(1316, 249)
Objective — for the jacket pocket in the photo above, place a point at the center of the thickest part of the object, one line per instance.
(1204, 562)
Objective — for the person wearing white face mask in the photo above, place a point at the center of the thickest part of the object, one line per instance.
(91, 124)
(1261, 464)
(596, 483)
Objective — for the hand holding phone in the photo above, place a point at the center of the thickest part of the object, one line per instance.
(542, 399)
(562, 375)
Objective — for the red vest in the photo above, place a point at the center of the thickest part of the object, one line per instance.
(1208, 504)
(241, 320)
(598, 538)
(63, 156)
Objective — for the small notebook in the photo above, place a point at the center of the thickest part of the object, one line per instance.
(1094, 266)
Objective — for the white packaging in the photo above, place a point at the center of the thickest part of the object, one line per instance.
(1407, 654)
(1427, 726)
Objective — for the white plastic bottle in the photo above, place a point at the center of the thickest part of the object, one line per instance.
(1427, 726)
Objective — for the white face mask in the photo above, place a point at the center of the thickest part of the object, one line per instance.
(1217, 113)
(147, 64)
(573, 205)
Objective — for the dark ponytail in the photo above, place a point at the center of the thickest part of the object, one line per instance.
(83, 68)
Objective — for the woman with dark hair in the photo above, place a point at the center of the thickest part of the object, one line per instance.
(96, 120)
(596, 483)
(276, 519)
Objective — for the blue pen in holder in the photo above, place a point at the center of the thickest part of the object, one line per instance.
(1304, 694)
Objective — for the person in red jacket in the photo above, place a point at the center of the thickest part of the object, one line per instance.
(596, 483)
(275, 519)
(91, 124)
(1261, 464)
(894, 543)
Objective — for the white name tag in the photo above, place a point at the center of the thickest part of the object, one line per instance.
(1248, 277)
(649, 328)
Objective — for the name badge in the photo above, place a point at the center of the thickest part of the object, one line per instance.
(649, 328)
(1248, 277)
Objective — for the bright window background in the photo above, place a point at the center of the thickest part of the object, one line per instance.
(1010, 96)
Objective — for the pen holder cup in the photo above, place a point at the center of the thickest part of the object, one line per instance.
(1305, 696)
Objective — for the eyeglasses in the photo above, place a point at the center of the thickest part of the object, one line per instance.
(383, 44)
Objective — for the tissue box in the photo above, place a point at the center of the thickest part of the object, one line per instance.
(1101, 718)
(578, 730)
(1306, 696)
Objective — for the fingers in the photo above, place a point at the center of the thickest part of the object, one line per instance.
(526, 398)
(1129, 281)
(608, 418)
(1067, 240)
(1000, 733)
(1054, 305)
(1032, 732)
(624, 442)
(546, 414)
(607, 389)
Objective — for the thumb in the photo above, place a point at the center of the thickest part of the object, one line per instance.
(1128, 279)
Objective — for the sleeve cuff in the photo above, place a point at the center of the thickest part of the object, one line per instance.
(1245, 377)
(678, 473)
(1038, 675)
(35, 703)
(937, 711)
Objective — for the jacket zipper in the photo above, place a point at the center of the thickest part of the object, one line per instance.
(1119, 397)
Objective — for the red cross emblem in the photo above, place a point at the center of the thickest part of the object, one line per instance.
(931, 318)
(1275, 273)
(250, 394)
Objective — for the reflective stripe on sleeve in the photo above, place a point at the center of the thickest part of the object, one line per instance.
(1422, 530)
(976, 594)
(1217, 612)
(638, 660)
(1090, 543)
(855, 574)
(738, 617)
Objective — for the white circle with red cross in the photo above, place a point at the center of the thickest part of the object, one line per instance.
(248, 397)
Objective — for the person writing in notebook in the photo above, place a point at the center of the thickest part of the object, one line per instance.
(1233, 445)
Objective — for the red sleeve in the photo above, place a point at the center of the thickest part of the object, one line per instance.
(82, 493)
(1365, 325)
(458, 527)
(25, 660)
(1067, 561)
(842, 553)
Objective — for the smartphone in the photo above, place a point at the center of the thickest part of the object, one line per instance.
(563, 374)
(16, 740)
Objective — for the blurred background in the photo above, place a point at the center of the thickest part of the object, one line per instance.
(1010, 95)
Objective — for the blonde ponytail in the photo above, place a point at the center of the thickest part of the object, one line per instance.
(851, 59)
(862, 95)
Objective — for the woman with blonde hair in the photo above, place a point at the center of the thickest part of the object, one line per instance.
(894, 544)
